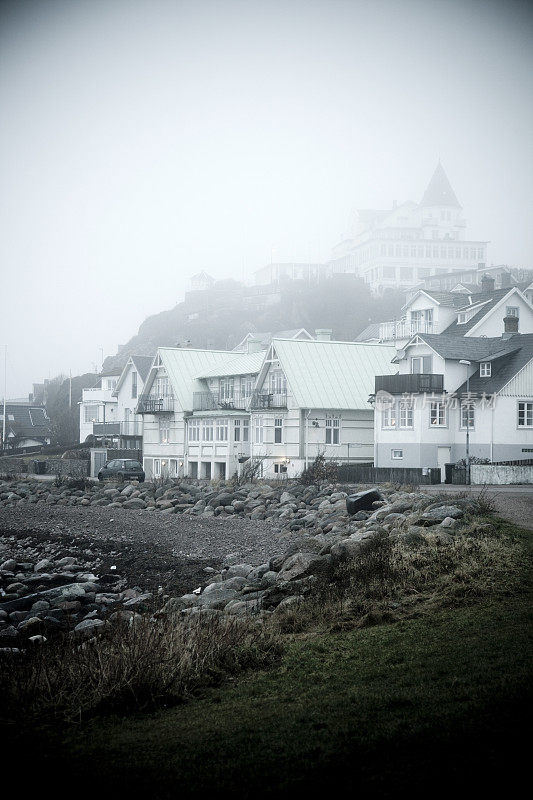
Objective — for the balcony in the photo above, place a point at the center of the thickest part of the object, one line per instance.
(155, 405)
(106, 428)
(98, 395)
(418, 383)
(404, 329)
(131, 428)
(269, 399)
(213, 401)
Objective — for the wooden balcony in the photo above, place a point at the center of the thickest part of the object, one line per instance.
(155, 405)
(269, 399)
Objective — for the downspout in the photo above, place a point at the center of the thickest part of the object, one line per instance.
(307, 438)
(492, 429)
(185, 446)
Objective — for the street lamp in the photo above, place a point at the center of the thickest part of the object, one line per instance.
(467, 459)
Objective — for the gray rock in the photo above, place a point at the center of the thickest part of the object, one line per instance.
(439, 514)
(88, 625)
(300, 564)
(242, 570)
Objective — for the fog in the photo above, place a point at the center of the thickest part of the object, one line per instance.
(144, 141)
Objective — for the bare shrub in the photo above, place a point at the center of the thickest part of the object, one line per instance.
(135, 666)
(485, 501)
(320, 470)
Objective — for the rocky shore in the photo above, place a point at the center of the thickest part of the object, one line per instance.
(44, 593)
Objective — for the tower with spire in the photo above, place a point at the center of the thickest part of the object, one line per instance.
(398, 247)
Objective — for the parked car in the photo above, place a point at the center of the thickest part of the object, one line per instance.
(122, 469)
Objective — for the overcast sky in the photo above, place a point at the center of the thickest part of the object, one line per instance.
(144, 140)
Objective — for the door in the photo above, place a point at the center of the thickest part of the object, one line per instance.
(99, 459)
(444, 455)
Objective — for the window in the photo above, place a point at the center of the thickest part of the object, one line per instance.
(237, 430)
(246, 430)
(396, 454)
(173, 469)
(91, 413)
(525, 415)
(280, 468)
(467, 415)
(134, 384)
(207, 430)
(406, 415)
(164, 431)
(222, 430)
(485, 369)
(157, 467)
(512, 311)
(462, 317)
(421, 365)
(194, 430)
(246, 387)
(437, 415)
(278, 430)
(226, 388)
(388, 417)
(333, 425)
(258, 430)
(277, 382)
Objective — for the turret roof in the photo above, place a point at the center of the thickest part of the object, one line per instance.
(439, 191)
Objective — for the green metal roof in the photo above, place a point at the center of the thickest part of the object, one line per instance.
(236, 364)
(336, 375)
(183, 365)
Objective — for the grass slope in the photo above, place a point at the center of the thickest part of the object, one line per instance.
(432, 702)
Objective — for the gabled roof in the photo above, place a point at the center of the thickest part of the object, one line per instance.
(141, 363)
(335, 375)
(183, 364)
(26, 420)
(489, 300)
(471, 348)
(505, 365)
(439, 191)
(370, 332)
(265, 337)
(448, 299)
(243, 364)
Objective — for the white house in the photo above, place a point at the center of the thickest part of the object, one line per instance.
(168, 401)
(206, 412)
(311, 397)
(474, 311)
(128, 389)
(448, 385)
(398, 247)
(98, 409)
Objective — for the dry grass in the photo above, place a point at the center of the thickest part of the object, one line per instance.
(134, 667)
(391, 581)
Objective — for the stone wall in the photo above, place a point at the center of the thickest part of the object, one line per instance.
(495, 474)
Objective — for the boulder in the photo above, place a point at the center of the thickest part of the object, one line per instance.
(362, 501)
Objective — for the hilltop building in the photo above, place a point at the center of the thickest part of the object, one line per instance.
(398, 247)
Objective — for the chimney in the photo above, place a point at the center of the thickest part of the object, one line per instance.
(323, 334)
(505, 279)
(253, 346)
(510, 327)
(487, 283)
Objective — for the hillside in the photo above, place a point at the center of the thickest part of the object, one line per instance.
(220, 317)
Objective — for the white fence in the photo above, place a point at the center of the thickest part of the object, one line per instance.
(496, 474)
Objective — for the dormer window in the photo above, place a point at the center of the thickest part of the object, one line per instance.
(462, 317)
(485, 369)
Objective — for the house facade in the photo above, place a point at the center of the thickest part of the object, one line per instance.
(449, 386)
(107, 411)
(207, 413)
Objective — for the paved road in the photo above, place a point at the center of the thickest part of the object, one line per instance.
(514, 503)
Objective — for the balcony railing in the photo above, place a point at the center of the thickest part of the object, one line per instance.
(404, 329)
(213, 401)
(155, 405)
(269, 399)
(410, 384)
(106, 428)
(131, 428)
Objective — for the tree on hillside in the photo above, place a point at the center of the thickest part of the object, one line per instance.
(64, 412)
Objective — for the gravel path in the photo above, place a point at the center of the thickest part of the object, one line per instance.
(149, 549)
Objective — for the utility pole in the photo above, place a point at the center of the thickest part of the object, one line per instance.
(70, 390)
(5, 393)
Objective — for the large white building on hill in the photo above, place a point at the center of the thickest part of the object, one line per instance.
(400, 246)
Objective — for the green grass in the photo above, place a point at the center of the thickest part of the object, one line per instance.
(428, 703)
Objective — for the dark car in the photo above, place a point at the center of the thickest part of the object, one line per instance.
(122, 469)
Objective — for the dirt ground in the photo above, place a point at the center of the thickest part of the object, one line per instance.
(147, 549)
